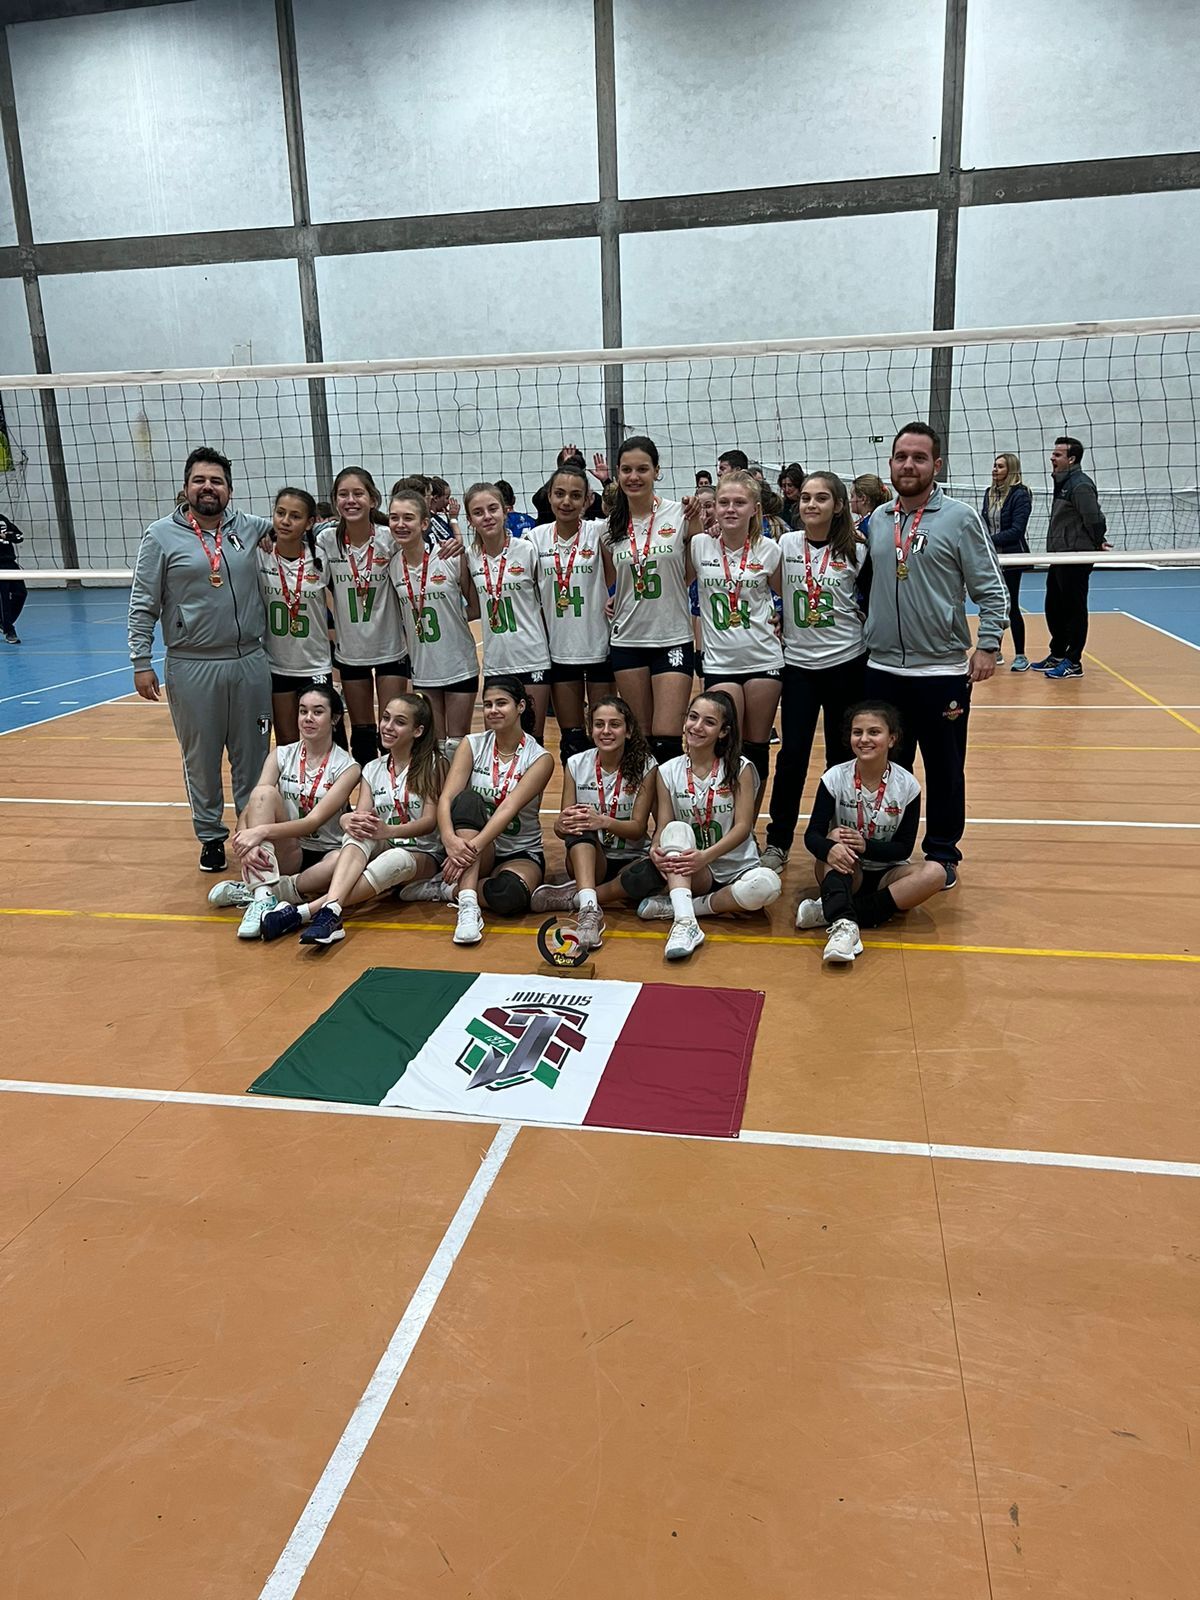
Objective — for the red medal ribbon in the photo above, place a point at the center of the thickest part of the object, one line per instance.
(562, 580)
(362, 580)
(501, 789)
(616, 795)
(417, 602)
(291, 601)
(813, 585)
(495, 595)
(867, 829)
(214, 556)
(735, 590)
(307, 801)
(399, 802)
(903, 549)
(639, 565)
(712, 779)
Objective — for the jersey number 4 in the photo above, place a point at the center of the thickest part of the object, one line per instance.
(724, 617)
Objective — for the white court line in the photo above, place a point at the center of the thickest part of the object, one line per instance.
(989, 705)
(47, 688)
(748, 1136)
(288, 1572)
(40, 722)
(1167, 634)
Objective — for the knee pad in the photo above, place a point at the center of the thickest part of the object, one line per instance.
(467, 810)
(390, 868)
(756, 888)
(505, 894)
(641, 879)
(677, 836)
(666, 746)
(364, 742)
(573, 742)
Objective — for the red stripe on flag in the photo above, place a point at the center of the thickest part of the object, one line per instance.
(681, 1064)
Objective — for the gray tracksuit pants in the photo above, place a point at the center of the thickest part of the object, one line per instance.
(219, 704)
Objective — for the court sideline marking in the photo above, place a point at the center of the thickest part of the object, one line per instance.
(1143, 1166)
(1145, 694)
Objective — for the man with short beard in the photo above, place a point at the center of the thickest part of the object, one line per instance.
(197, 571)
(927, 553)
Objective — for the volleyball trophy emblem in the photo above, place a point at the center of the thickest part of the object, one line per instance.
(560, 946)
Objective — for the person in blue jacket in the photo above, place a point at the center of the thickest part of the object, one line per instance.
(1005, 511)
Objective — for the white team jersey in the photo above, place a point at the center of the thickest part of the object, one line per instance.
(660, 615)
(743, 640)
(899, 792)
(440, 643)
(708, 829)
(836, 634)
(524, 832)
(299, 648)
(578, 629)
(514, 634)
(583, 772)
(370, 630)
(329, 835)
(375, 777)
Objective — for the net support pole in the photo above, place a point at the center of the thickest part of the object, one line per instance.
(945, 270)
(23, 222)
(609, 224)
(306, 265)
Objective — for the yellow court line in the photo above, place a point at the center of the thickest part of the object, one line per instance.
(791, 941)
(1145, 694)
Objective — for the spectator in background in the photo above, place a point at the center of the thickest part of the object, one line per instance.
(866, 492)
(324, 511)
(571, 455)
(1005, 510)
(732, 461)
(790, 481)
(704, 479)
(517, 522)
(443, 512)
(13, 592)
(1076, 523)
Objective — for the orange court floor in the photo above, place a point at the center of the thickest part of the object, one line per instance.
(926, 1331)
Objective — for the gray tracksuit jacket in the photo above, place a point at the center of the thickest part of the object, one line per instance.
(171, 582)
(1076, 520)
(920, 622)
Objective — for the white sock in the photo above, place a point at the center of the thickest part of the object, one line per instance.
(681, 904)
(467, 897)
(265, 891)
(305, 913)
(335, 906)
(703, 905)
(587, 898)
(448, 747)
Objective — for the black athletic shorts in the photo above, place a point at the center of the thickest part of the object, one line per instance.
(465, 686)
(535, 856)
(282, 683)
(382, 669)
(581, 672)
(612, 865)
(712, 679)
(665, 658)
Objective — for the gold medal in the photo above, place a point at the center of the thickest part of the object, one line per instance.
(902, 569)
(215, 579)
(297, 627)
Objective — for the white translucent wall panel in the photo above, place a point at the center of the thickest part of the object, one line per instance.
(8, 228)
(1082, 80)
(125, 447)
(485, 299)
(462, 106)
(167, 119)
(23, 489)
(714, 97)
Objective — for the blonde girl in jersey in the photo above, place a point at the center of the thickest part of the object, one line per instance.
(824, 656)
(862, 831)
(704, 854)
(607, 795)
(499, 576)
(574, 595)
(291, 821)
(391, 836)
(370, 654)
(646, 558)
(292, 582)
(735, 565)
(445, 666)
(489, 815)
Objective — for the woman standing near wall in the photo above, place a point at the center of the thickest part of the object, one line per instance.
(1005, 510)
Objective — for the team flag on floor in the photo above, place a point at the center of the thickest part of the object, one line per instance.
(649, 1056)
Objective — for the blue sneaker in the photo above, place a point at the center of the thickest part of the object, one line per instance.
(283, 920)
(325, 928)
(1020, 664)
(1065, 669)
(1045, 664)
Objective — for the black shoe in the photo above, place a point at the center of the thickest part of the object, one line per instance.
(212, 855)
(951, 876)
(10, 636)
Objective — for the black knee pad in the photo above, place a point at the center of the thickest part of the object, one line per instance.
(468, 810)
(584, 838)
(666, 746)
(505, 894)
(641, 879)
(364, 742)
(873, 907)
(573, 742)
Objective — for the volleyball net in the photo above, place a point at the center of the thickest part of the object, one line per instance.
(89, 459)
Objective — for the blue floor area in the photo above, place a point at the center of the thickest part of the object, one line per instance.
(75, 652)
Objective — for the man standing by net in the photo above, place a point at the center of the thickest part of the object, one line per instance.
(1077, 524)
(196, 571)
(927, 553)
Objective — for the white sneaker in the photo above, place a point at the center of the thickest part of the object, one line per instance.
(684, 937)
(250, 926)
(231, 892)
(843, 943)
(810, 914)
(774, 857)
(657, 908)
(427, 889)
(554, 897)
(469, 927)
(589, 925)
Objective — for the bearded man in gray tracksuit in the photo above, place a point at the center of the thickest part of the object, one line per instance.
(197, 573)
(927, 553)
